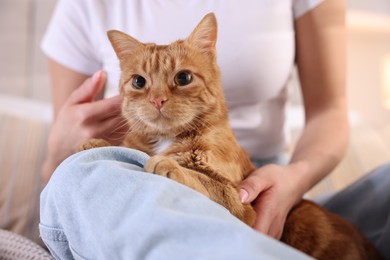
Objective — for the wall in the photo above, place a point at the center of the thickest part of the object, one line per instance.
(367, 46)
(365, 56)
(376, 6)
(23, 70)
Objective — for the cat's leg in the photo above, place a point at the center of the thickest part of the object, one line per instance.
(92, 143)
(170, 168)
(220, 190)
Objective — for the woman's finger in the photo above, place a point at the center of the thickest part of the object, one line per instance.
(88, 90)
(270, 217)
(114, 129)
(100, 110)
(252, 186)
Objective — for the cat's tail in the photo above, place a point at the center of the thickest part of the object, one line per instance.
(370, 250)
(249, 215)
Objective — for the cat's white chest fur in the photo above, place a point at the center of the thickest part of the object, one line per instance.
(161, 145)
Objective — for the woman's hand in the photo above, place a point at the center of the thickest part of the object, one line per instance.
(273, 192)
(81, 118)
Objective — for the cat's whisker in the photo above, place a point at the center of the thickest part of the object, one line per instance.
(136, 124)
(113, 114)
(205, 124)
(121, 125)
(122, 134)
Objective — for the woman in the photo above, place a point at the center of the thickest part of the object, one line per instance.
(257, 49)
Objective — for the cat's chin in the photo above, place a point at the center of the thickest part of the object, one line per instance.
(166, 127)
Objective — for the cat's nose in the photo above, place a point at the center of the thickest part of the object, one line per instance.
(158, 102)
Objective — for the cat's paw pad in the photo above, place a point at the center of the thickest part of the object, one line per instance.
(163, 166)
(92, 143)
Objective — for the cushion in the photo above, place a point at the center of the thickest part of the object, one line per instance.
(16, 247)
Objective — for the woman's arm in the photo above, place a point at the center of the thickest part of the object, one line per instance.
(79, 114)
(321, 61)
(320, 44)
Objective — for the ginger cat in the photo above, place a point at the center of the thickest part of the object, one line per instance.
(175, 107)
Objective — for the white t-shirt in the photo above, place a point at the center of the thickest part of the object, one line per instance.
(255, 48)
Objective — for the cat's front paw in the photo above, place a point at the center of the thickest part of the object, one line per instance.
(163, 166)
(92, 143)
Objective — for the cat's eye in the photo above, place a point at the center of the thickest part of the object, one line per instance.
(138, 82)
(183, 78)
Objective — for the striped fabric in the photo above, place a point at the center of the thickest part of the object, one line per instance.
(16, 247)
(22, 147)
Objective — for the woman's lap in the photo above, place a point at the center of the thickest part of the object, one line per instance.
(99, 204)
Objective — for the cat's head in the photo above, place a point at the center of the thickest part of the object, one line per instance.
(168, 89)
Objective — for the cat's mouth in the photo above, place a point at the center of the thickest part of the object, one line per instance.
(168, 123)
(159, 119)
(165, 121)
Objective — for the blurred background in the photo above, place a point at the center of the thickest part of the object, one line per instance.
(25, 111)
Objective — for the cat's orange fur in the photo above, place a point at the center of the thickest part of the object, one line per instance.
(198, 147)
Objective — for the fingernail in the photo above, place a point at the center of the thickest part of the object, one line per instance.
(243, 195)
(96, 76)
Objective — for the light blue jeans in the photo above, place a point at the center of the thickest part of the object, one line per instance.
(99, 204)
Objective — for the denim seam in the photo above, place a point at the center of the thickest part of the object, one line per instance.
(52, 234)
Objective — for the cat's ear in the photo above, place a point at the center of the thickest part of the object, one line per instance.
(123, 43)
(204, 36)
